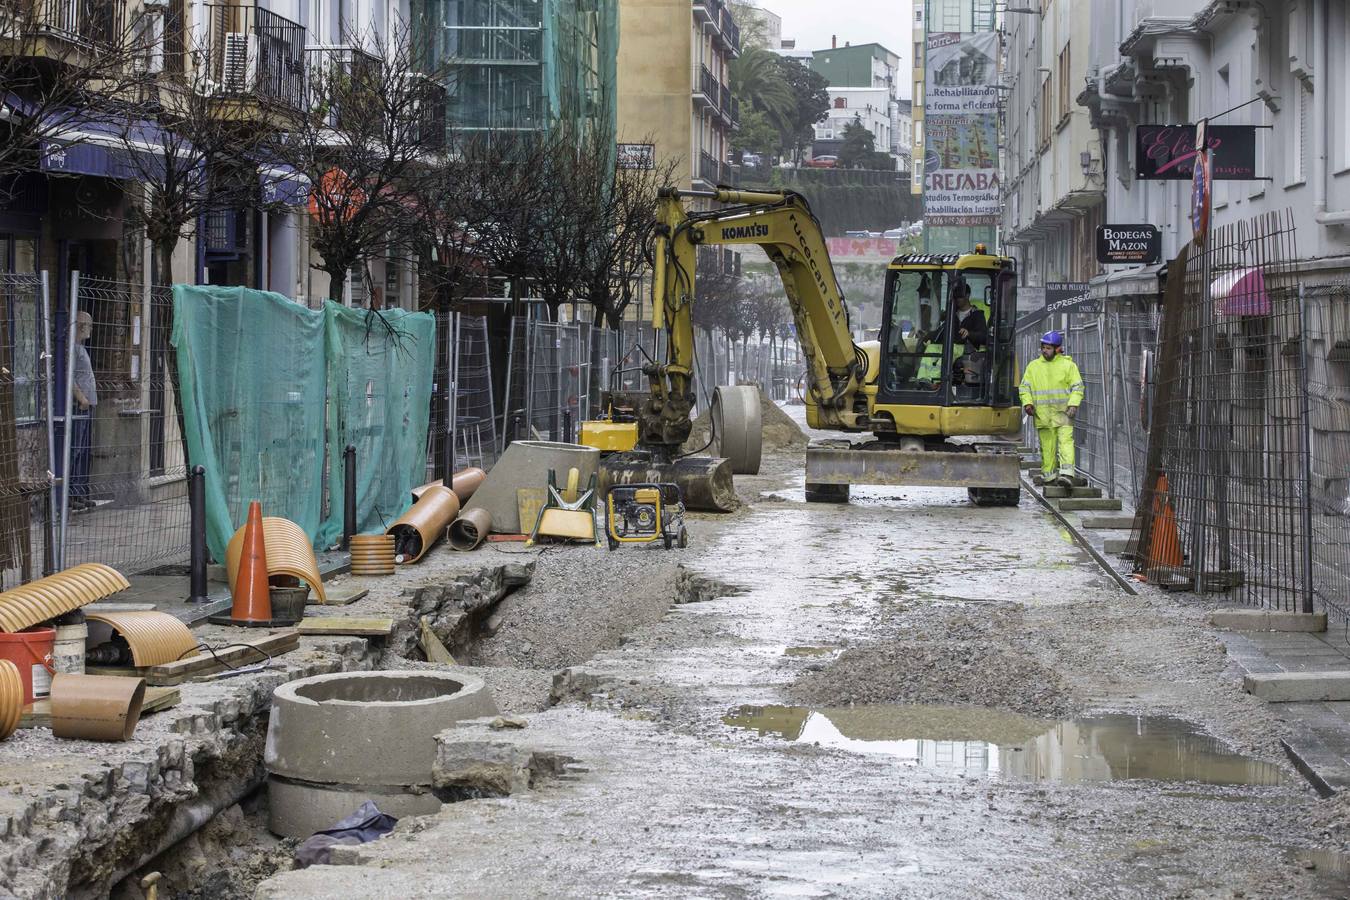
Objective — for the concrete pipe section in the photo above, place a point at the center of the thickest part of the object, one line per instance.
(335, 741)
(526, 464)
(738, 427)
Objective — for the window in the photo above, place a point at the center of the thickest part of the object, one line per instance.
(1065, 84)
(1045, 110)
(918, 54)
(1300, 111)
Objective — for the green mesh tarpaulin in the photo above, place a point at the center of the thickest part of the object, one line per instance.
(379, 394)
(270, 388)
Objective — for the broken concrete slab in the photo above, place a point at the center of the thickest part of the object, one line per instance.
(581, 683)
(475, 760)
(1268, 620)
(1109, 523)
(1077, 504)
(1294, 687)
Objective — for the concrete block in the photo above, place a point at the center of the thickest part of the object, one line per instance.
(1118, 523)
(1055, 491)
(1122, 546)
(1267, 620)
(1296, 687)
(1075, 504)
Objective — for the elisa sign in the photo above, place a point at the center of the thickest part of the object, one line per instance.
(1128, 244)
(1168, 152)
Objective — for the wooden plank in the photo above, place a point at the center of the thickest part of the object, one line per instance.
(433, 648)
(351, 625)
(235, 655)
(106, 606)
(339, 598)
(39, 715)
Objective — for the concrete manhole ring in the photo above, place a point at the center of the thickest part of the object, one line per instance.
(369, 728)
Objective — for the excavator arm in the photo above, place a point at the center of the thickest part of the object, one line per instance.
(782, 224)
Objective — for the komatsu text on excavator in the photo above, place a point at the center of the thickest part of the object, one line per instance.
(936, 394)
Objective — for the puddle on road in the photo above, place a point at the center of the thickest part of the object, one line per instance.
(996, 744)
(810, 651)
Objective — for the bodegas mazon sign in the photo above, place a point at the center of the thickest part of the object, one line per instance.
(1128, 244)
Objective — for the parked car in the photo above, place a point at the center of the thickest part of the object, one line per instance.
(752, 159)
(822, 162)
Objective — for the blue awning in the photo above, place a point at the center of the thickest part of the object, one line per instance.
(282, 184)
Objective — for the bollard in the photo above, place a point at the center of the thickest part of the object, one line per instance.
(197, 535)
(348, 496)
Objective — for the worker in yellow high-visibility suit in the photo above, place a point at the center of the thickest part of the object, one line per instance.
(1051, 391)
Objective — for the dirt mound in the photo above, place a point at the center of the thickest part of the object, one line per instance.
(780, 432)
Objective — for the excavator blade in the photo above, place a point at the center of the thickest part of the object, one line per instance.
(705, 481)
(830, 465)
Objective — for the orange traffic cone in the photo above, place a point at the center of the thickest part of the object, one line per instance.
(1164, 541)
(252, 601)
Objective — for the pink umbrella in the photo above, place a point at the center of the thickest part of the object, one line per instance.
(1241, 292)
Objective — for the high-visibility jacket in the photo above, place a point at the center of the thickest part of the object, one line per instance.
(1052, 386)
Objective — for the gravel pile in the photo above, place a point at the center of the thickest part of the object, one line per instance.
(954, 673)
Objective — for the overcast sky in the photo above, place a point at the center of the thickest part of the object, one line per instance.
(812, 22)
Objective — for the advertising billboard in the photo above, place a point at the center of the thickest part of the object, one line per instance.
(961, 177)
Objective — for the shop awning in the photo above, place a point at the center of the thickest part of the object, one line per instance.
(282, 184)
(1241, 292)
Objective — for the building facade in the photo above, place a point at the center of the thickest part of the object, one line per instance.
(673, 85)
(1053, 184)
(1083, 79)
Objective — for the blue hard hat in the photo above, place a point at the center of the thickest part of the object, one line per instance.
(1053, 338)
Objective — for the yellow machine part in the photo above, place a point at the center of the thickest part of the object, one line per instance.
(608, 437)
(568, 524)
(642, 495)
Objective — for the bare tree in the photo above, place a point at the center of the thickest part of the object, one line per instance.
(192, 160)
(58, 60)
(364, 147)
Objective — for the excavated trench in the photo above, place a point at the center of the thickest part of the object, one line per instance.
(212, 839)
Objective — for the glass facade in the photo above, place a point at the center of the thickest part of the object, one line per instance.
(523, 65)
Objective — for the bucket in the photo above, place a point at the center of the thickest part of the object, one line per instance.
(31, 651)
(68, 650)
(288, 603)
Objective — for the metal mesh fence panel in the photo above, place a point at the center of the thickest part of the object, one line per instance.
(549, 380)
(474, 424)
(126, 503)
(26, 496)
(1225, 502)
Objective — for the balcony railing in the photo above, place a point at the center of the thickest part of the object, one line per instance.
(78, 21)
(256, 54)
(708, 168)
(337, 71)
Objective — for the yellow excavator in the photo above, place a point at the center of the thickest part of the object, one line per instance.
(937, 393)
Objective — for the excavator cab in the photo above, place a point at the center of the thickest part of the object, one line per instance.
(947, 339)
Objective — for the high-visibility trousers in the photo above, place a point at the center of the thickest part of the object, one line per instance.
(1056, 445)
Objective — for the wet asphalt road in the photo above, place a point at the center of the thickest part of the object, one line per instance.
(696, 774)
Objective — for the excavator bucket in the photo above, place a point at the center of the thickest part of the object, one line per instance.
(705, 481)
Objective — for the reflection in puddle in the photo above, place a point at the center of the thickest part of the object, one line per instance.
(1005, 745)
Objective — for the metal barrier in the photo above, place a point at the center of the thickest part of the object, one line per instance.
(548, 380)
(27, 490)
(473, 420)
(1225, 500)
(127, 502)
(1113, 350)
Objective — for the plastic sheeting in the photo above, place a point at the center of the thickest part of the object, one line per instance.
(257, 373)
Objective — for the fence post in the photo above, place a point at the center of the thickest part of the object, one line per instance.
(451, 396)
(197, 535)
(1306, 412)
(50, 506)
(567, 426)
(1108, 406)
(348, 496)
(67, 426)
